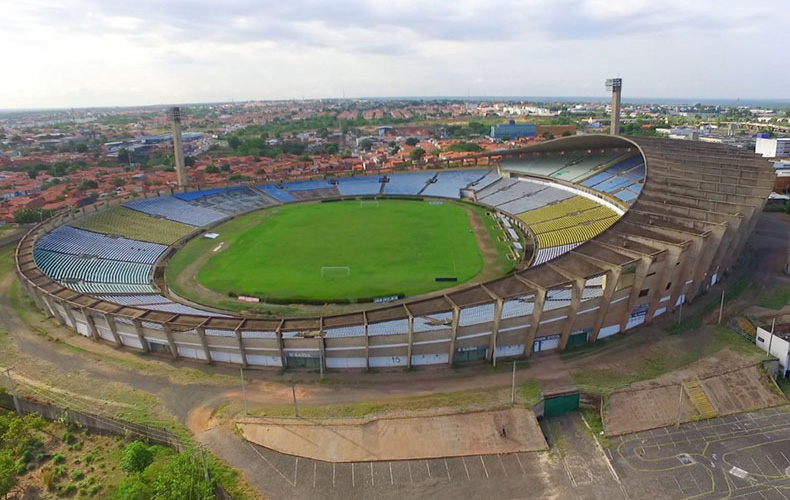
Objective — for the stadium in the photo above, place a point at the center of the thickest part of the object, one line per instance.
(587, 236)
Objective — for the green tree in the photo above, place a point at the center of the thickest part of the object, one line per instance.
(211, 169)
(136, 457)
(8, 472)
(225, 167)
(331, 148)
(32, 215)
(417, 154)
(548, 136)
(365, 144)
(182, 478)
(412, 141)
(88, 184)
(234, 142)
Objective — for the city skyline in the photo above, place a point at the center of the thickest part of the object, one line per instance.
(84, 53)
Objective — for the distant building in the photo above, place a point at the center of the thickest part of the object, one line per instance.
(773, 148)
(513, 130)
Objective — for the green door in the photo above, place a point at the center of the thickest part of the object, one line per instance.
(560, 404)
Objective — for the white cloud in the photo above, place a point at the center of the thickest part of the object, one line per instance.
(75, 53)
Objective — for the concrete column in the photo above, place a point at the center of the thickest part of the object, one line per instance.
(639, 280)
(537, 312)
(91, 324)
(576, 295)
(454, 334)
(113, 329)
(138, 327)
(498, 305)
(204, 342)
(367, 341)
(410, 347)
(240, 342)
(70, 314)
(280, 345)
(170, 341)
(612, 277)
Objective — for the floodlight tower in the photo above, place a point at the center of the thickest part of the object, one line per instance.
(178, 149)
(615, 84)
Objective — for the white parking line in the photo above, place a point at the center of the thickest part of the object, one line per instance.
(485, 469)
(523, 472)
(372, 481)
(502, 464)
(447, 468)
(392, 480)
(468, 478)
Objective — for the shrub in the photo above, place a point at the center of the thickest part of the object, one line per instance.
(58, 458)
(136, 457)
(77, 475)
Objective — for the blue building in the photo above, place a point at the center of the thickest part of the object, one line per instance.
(513, 130)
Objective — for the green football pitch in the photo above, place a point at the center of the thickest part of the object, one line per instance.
(337, 252)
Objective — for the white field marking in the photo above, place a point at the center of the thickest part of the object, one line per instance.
(219, 247)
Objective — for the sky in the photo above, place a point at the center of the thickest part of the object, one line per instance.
(83, 53)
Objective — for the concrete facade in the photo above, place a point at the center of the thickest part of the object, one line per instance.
(699, 204)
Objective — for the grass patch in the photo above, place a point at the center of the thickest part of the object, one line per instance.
(394, 248)
(656, 364)
(595, 423)
(784, 385)
(776, 299)
(531, 392)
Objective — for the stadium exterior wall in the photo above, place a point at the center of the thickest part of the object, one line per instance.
(699, 204)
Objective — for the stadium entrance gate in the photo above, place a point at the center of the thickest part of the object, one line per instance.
(563, 403)
(470, 353)
(303, 360)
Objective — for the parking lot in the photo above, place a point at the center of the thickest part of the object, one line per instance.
(746, 455)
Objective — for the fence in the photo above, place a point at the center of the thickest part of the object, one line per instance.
(96, 423)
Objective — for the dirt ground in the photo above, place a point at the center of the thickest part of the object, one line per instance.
(641, 407)
(416, 438)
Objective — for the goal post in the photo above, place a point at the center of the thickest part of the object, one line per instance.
(368, 203)
(335, 272)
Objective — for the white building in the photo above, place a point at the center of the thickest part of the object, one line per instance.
(778, 345)
(773, 148)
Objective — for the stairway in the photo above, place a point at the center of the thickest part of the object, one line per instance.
(699, 399)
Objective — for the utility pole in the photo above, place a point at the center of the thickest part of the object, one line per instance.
(243, 390)
(13, 391)
(680, 404)
(680, 313)
(721, 307)
(513, 385)
(293, 393)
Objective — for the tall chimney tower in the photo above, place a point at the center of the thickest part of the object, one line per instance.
(178, 149)
(615, 84)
